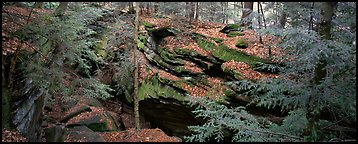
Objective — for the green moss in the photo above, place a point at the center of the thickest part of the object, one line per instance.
(148, 25)
(217, 40)
(152, 89)
(186, 52)
(241, 43)
(197, 35)
(225, 53)
(234, 34)
(228, 92)
(159, 61)
(169, 57)
(234, 26)
(236, 75)
(99, 127)
(204, 44)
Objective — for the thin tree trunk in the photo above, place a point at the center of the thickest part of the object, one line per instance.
(259, 18)
(283, 19)
(263, 15)
(223, 11)
(136, 99)
(310, 24)
(192, 11)
(197, 11)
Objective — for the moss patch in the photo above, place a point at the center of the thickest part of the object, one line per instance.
(241, 43)
(185, 52)
(226, 54)
(234, 34)
(148, 25)
(204, 44)
(153, 89)
(230, 27)
(169, 57)
(217, 40)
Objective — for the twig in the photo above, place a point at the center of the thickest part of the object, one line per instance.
(335, 123)
(275, 133)
(28, 18)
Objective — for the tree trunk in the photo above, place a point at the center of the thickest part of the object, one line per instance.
(136, 99)
(263, 14)
(196, 13)
(324, 30)
(61, 9)
(39, 4)
(310, 23)
(187, 9)
(283, 19)
(192, 11)
(327, 12)
(248, 7)
(223, 11)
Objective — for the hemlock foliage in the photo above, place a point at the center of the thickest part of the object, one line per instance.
(316, 112)
(64, 41)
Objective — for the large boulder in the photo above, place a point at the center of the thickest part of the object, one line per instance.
(28, 108)
(97, 120)
(231, 27)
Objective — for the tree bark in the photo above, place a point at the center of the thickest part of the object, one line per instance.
(196, 13)
(61, 9)
(136, 99)
(283, 19)
(263, 14)
(327, 12)
(324, 30)
(248, 7)
(310, 23)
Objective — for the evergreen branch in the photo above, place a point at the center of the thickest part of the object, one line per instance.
(274, 133)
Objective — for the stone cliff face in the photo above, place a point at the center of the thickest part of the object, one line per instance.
(28, 109)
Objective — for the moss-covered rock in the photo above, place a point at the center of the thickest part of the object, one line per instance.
(226, 54)
(169, 57)
(232, 72)
(148, 25)
(217, 40)
(204, 44)
(234, 34)
(153, 89)
(96, 122)
(230, 27)
(241, 43)
(185, 52)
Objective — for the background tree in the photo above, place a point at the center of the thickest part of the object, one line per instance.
(61, 8)
(248, 8)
